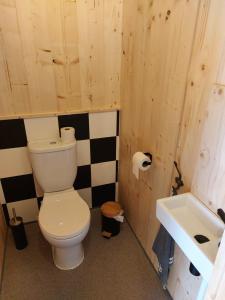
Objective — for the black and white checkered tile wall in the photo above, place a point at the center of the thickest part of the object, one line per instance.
(97, 137)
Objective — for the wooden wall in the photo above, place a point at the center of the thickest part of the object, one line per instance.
(157, 46)
(64, 56)
(172, 105)
(59, 56)
(201, 148)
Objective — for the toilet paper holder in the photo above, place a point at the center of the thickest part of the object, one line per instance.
(147, 163)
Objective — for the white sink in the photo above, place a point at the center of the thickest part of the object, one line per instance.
(184, 216)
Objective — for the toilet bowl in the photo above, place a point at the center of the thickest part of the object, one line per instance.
(64, 220)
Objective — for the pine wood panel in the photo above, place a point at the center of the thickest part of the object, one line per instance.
(59, 56)
(201, 141)
(151, 113)
(205, 68)
(157, 46)
(209, 176)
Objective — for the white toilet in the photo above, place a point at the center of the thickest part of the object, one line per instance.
(64, 217)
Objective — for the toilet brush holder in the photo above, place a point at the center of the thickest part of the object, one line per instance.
(18, 231)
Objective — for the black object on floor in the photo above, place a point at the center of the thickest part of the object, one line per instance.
(18, 231)
(110, 226)
(201, 239)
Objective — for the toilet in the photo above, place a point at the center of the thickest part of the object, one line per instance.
(64, 217)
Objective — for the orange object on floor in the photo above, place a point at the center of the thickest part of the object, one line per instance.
(111, 209)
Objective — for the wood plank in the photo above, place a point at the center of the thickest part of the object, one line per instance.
(157, 47)
(64, 47)
(206, 55)
(99, 61)
(61, 55)
(112, 50)
(200, 140)
(13, 60)
(34, 34)
(209, 176)
(6, 99)
(56, 113)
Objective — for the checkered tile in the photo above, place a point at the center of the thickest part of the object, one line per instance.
(12, 134)
(79, 121)
(97, 137)
(103, 193)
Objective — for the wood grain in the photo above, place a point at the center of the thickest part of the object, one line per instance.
(157, 46)
(59, 56)
(205, 67)
(209, 176)
(172, 98)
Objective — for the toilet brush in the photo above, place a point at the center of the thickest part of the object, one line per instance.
(18, 231)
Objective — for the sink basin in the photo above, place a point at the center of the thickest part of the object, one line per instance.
(184, 217)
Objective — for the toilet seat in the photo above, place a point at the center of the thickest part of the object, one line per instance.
(64, 214)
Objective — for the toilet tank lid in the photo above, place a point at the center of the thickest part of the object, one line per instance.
(49, 145)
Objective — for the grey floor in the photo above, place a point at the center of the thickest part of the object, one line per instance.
(112, 269)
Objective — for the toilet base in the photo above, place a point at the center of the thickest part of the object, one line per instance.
(68, 258)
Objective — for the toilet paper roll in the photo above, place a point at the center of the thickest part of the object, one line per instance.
(141, 162)
(67, 135)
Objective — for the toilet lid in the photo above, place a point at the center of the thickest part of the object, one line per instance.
(64, 214)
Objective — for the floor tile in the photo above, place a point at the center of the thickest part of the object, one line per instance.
(112, 269)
